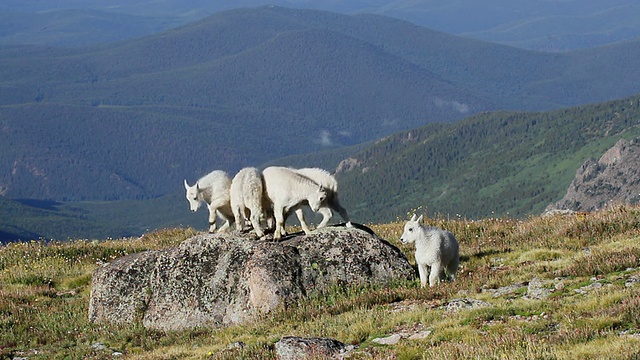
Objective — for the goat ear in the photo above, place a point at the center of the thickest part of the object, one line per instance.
(413, 218)
(419, 219)
(186, 186)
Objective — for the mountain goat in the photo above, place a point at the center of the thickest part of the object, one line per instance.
(287, 189)
(212, 189)
(247, 194)
(326, 180)
(435, 248)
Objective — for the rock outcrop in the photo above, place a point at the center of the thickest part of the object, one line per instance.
(229, 278)
(613, 179)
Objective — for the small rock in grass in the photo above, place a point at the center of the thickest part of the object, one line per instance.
(420, 335)
(389, 340)
(295, 348)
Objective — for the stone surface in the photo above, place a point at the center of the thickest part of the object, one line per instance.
(506, 290)
(229, 278)
(613, 179)
(539, 289)
(388, 340)
(632, 281)
(298, 348)
(465, 304)
(420, 335)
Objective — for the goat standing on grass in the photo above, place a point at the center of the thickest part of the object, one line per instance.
(286, 189)
(212, 189)
(435, 248)
(329, 182)
(246, 195)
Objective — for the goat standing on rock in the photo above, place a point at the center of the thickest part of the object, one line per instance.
(435, 248)
(287, 189)
(247, 195)
(212, 189)
(329, 183)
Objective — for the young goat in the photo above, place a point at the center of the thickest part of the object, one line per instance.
(247, 195)
(213, 189)
(435, 248)
(286, 190)
(327, 181)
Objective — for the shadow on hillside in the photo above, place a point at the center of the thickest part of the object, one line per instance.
(40, 204)
(18, 236)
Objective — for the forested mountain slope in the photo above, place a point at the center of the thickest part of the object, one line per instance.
(492, 164)
(132, 120)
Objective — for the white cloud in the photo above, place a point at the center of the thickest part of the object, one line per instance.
(325, 138)
(455, 105)
(390, 122)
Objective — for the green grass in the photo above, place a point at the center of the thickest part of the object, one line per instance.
(45, 290)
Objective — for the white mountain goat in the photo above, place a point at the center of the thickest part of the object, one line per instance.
(247, 195)
(326, 180)
(435, 248)
(212, 189)
(286, 189)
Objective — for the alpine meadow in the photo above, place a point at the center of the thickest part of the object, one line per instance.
(561, 287)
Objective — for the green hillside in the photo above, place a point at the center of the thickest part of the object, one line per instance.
(493, 164)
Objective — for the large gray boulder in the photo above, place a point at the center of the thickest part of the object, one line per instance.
(229, 278)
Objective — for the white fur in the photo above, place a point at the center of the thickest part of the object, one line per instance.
(213, 189)
(246, 195)
(435, 248)
(286, 189)
(326, 180)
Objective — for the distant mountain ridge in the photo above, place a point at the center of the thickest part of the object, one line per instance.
(540, 25)
(132, 120)
(77, 27)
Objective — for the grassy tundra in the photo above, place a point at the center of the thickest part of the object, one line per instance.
(591, 263)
